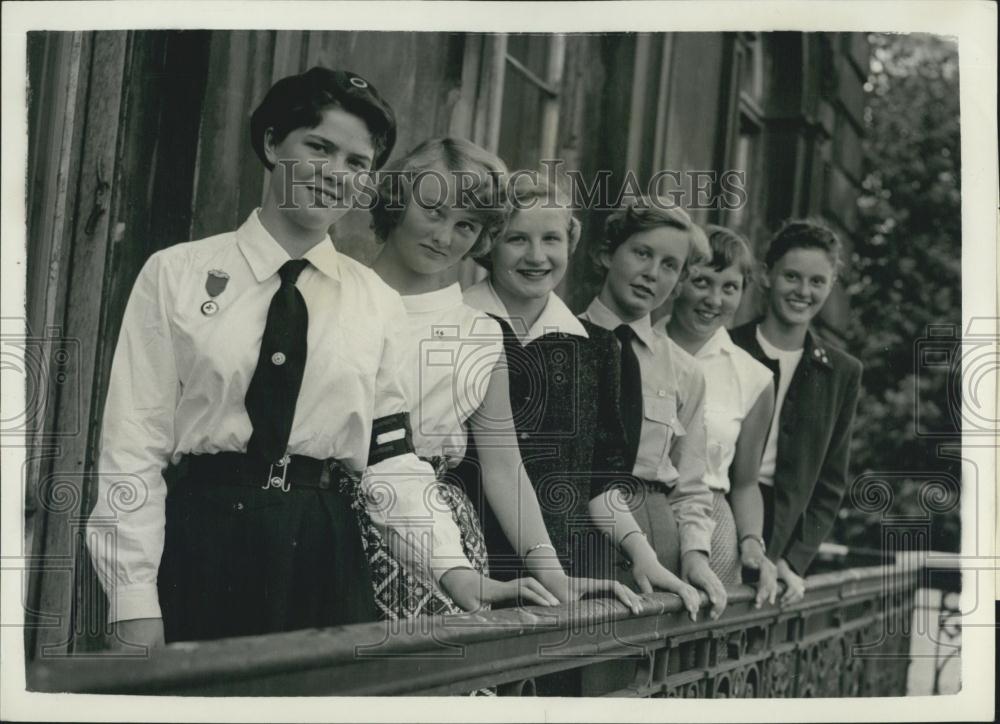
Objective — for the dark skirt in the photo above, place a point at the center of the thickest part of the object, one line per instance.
(241, 561)
(767, 497)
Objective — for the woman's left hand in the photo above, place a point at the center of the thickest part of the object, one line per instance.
(696, 571)
(569, 588)
(648, 572)
(752, 556)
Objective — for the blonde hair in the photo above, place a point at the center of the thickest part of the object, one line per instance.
(460, 156)
(526, 190)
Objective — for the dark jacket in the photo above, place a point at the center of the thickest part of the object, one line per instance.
(814, 438)
(564, 393)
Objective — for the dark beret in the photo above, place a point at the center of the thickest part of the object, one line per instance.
(300, 96)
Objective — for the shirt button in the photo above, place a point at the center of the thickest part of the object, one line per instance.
(524, 436)
(278, 358)
(661, 393)
(238, 506)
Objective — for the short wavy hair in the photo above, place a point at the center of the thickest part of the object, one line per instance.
(804, 234)
(298, 101)
(730, 249)
(642, 214)
(527, 189)
(490, 205)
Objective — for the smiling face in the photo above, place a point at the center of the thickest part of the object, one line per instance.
(708, 300)
(312, 181)
(798, 286)
(531, 257)
(643, 271)
(433, 234)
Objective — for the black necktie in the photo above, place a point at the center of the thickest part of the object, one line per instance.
(274, 388)
(631, 397)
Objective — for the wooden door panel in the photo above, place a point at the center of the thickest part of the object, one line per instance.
(61, 487)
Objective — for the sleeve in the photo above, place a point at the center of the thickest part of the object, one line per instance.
(402, 489)
(608, 462)
(816, 521)
(691, 498)
(126, 526)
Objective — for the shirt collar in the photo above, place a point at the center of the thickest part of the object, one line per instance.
(266, 256)
(439, 299)
(555, 317)
(719, 343)
(599, 314)
(482, 297)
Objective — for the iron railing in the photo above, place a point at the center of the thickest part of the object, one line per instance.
(849, 636)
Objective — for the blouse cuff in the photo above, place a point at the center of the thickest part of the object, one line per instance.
(135, 600)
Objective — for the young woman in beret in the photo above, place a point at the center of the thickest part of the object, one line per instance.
(257, 363)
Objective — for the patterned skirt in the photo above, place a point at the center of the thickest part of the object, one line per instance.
(399, 592)
(725, 556)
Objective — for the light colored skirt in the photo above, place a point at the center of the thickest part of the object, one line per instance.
(652, 512)
(725, 556)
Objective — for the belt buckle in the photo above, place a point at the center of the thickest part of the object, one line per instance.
(273, 481)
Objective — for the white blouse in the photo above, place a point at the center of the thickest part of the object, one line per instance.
(733, 382)
(449, 352)
(187, 349)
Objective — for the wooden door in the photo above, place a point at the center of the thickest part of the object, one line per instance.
(108, 184)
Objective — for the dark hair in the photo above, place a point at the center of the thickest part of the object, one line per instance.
(642, 215)
(298, 101)
(524, 190)
(804, 234)
(489, 197)
(730, 249)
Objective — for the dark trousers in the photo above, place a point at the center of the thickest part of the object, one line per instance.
(240, 561)
(767, 495)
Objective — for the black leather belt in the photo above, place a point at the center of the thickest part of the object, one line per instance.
(294, 471)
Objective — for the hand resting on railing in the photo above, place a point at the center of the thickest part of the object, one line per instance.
(471, 590)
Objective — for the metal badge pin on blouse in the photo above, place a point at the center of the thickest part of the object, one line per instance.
(215, 284)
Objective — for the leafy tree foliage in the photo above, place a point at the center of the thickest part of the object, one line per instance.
(907, 281)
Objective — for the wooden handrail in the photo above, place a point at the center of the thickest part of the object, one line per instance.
(455, 654)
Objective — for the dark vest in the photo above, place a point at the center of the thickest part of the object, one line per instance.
(564, 399)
